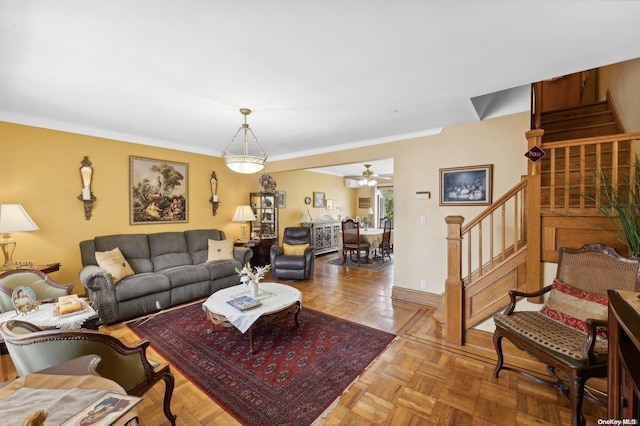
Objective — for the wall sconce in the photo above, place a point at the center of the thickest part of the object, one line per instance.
(87, 197)
(214, 193)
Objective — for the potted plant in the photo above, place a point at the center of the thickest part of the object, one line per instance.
(620, 204)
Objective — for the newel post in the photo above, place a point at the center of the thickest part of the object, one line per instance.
(533, 219)
(453, 286)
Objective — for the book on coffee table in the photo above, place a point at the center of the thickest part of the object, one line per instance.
(243, 303)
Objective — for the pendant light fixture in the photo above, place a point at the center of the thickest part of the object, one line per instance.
(244, 163)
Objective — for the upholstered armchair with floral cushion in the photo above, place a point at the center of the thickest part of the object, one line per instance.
(294, 258)
(44, 288)
(33, 349)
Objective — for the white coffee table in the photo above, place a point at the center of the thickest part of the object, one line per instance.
(278, 300)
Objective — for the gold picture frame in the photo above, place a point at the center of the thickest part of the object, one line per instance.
(364, 203)
(158, 191)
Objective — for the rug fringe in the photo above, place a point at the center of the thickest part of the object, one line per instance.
(147, 317)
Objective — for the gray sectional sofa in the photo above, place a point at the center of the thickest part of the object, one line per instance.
(170, 268)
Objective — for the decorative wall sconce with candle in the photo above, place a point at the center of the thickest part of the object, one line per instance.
(214, 192)
(87, 197)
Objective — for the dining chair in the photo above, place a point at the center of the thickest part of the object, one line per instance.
(351, 242)
(385, 244)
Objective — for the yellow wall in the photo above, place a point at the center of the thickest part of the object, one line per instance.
(299, 184)
(41, 172)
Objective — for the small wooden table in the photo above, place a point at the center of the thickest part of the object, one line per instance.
(278, 300)
(47, 269)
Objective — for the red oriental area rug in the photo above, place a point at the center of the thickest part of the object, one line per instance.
(293, 377)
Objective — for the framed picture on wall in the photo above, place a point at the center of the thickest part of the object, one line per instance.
(466, 186)
(364, 203)
(281, 199)
(157, 191)
(329, 205)
(318, 199)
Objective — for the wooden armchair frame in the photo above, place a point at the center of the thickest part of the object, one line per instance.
(33, 349)
(593, 268)
(45, 288)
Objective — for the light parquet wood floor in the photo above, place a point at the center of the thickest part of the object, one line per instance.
(416, 381)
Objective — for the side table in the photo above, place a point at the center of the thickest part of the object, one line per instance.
(47, 269)
(254, 245)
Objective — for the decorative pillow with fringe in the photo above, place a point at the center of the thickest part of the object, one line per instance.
(571, 307)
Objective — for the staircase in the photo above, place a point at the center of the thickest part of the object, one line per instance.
(584, 121)
(503, 247)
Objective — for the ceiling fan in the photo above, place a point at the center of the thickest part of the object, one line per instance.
(368, 178)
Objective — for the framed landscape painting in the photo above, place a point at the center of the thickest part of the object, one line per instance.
(466, 186)
(157, 191)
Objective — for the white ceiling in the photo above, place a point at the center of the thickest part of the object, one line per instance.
(319, 76)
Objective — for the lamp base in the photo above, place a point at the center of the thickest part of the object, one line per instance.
(243, 227)
(8, 246)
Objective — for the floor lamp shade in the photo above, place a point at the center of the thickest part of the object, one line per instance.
(13, 218)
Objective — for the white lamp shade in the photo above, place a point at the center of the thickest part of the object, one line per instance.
(245, 164)
(14, 218)
(243, 214)
(370, 211)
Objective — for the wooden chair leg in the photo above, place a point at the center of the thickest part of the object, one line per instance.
(169, 381)
(576, 396)
(497, 344)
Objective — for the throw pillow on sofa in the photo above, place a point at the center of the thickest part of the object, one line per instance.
(114, 263)
(220, 250)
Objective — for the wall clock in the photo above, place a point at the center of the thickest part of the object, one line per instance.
(307, 200)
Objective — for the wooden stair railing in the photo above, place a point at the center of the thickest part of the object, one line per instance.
(569, 177)
(486, 244)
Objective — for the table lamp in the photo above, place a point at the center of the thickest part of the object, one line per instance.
(13, 218)
(243, 214)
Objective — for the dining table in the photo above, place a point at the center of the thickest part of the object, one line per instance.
(373, 236)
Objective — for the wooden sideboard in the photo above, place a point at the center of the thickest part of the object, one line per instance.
(324, 235)
(624, 356)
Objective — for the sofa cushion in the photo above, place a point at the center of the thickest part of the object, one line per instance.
(168, 249)
(571, 307)
(198, 243)
(134, 248)
(186, 274)
(223, 268)
(114, 263)
(294, 249)
(139, 285)
(220, 250)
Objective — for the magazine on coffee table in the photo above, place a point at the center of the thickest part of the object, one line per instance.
(243, 303)
(105, 410)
